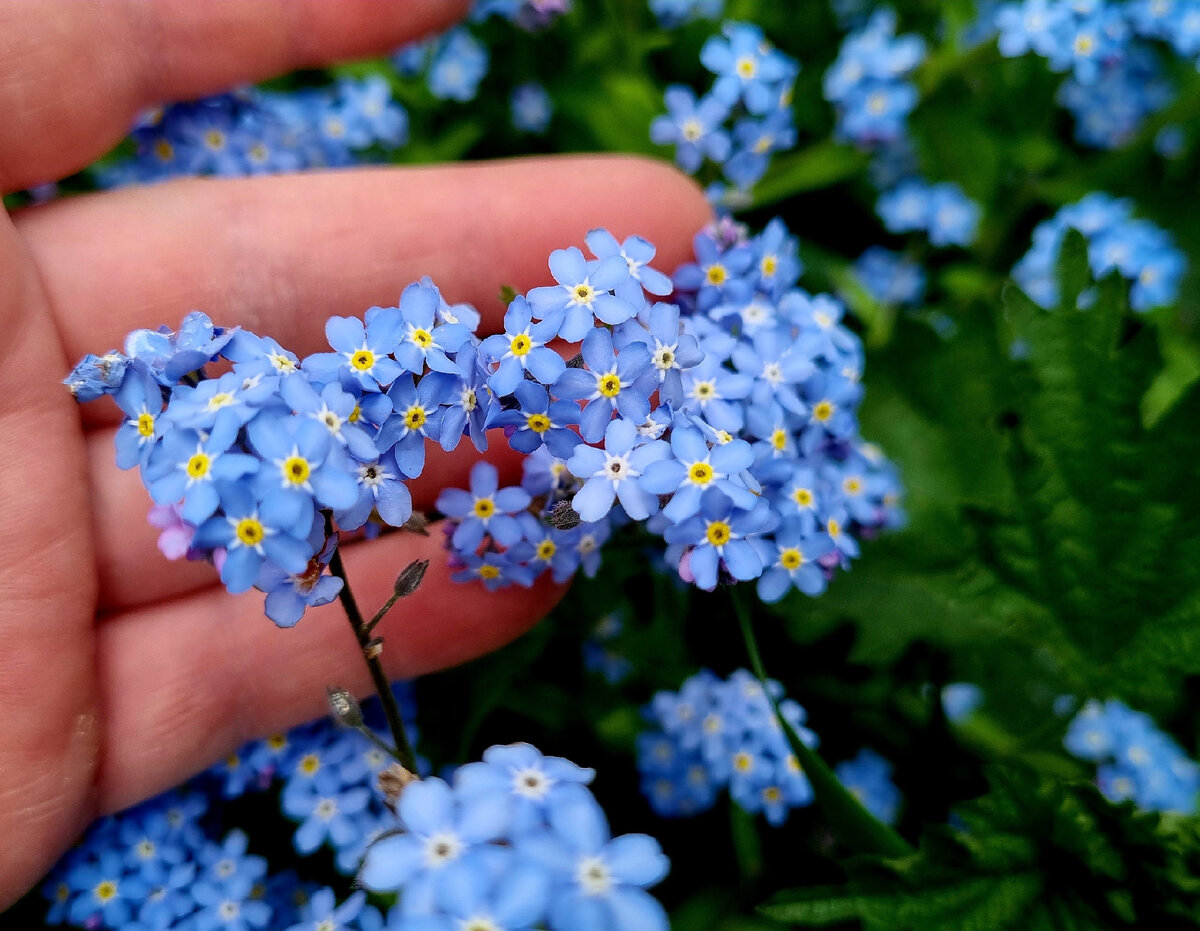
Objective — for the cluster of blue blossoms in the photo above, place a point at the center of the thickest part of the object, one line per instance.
(519, 841)
(869, 82)
(1136, 249)
(723, 733)
(1115, 77)
(725, 421)
(1136, 760)
(516, 841)
(252, 131)
(751, 93)
(168, 863)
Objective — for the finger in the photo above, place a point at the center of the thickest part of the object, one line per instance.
(126, 543)
(281, 255)
(95, 65)
(182, 685)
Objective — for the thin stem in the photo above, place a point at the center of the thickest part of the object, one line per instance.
(387, 606)
(391, 710)
(856, 826)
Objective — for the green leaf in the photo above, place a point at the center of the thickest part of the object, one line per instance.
(819, 166)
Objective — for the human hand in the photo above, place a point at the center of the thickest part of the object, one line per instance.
(121, 673)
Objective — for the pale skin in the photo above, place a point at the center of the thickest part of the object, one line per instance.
(122, 673)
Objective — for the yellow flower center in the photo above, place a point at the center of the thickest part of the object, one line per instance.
(538, 423)
(310, 763)
(743, 762)
(852, 485)
(692, 130)
(214, 139)
(219, 400)
(105, 890)
(746, 67)
(700, 473)
(258, 153)
(197, 466)
(584, 294)
(250, 531)
(415, 418)
(296, 470)
(610, 385)
(791, 559)
(823, 411)
(771, 794)
(779, 439)
(769, 265)
(484, 508)
(489, 572)
(803, 497)
(335, 128)
(422, 338)
(546, 550)
(363, 360)
(164, 150)
(520, 345)
(716, 275)
(145, 424)
(704, 390)
(356, 414)
(277, 741)
(718, 533)
(834, 527)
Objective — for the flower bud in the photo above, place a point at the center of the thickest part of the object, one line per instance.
(409, 579)
(345, 708)
(563, 517)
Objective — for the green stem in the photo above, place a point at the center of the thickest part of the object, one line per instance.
(391, 710)
(851, 822)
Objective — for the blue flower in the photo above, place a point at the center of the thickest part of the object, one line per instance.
(522, 348)
(716, 275)
(230, 397)
(190, 464)
(140, 399)
(612, 472)
(539, 422)
(792, 561)
(582, 294)
(611, 382)
(301, 461)
(869, 778)
(335, 409)
(672, 349)
(599, 883)
(637, 253)
(747, 67)
(695, 469)
(459, 64)
(252, 533)
(324, 816)
(440, 826)
(471, 405)
(712, 391)
(486, 508)
(495, 570)
(417, 416)
(95, 376)
(362, 350)
(693, 127)
(717, 537)
(381, 488)
(290, 595)
(530, 108)
(323, 913)
(423, 342)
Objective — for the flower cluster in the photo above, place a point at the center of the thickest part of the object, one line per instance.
(1137, 760)
(515, 841)
(751, 92)
(722, 733)
(530, 15)
(254, 131)
(1137, 250)
(868, 82)
(726, 421)
(1115, 80)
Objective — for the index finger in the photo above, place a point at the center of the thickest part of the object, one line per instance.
(76, 72)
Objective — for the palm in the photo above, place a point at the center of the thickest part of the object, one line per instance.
(120, 673)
